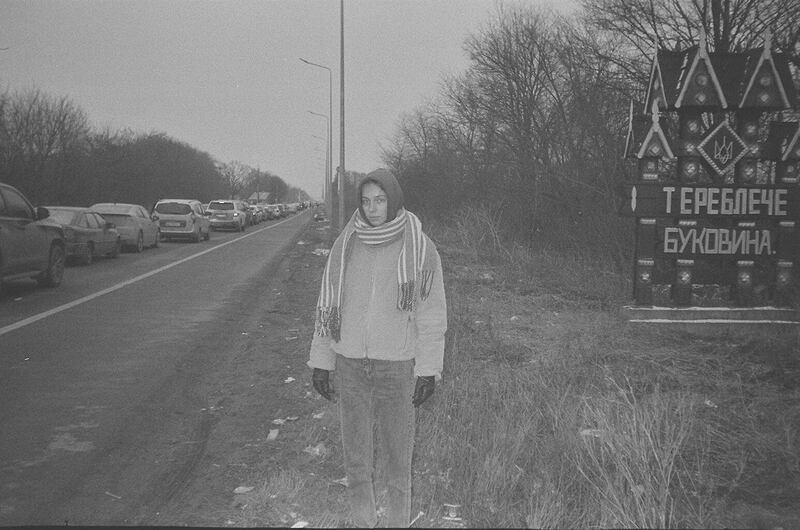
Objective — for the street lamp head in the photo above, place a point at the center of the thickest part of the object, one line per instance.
(315, 64)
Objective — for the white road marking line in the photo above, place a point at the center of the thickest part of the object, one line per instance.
(35, 318)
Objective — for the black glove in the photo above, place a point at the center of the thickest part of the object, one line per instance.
(321, 381)
(423, 390)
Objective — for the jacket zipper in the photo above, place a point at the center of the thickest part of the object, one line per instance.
(371, 300)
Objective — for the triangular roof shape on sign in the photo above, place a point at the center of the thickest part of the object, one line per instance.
(637, 129)
(765, 68)
(700, 63)
(732, 71)
(655, 143)
(664, 75)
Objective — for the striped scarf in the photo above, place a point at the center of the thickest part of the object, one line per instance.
(411, 267)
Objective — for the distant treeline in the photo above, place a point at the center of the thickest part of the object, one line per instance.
(534, 129)
(49, 151)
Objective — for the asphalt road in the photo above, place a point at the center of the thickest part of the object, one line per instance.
(99, 389)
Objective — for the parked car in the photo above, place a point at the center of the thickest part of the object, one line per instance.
(182, 218)
(87, 234)
(272, 211)
(31, 244)
(255, 214)
(262, 212)
(136, 227)
(228, 213)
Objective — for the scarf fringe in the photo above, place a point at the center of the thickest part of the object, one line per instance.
(426, 282)
(328, 322)
(405, 295)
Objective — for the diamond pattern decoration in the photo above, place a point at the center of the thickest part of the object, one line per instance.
(722, 148)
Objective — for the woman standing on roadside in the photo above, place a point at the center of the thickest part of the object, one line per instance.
(381, 319)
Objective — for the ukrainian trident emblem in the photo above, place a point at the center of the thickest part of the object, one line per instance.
(722, 148)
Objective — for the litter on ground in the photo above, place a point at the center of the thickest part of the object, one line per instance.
(243, 489)
(273, 433)
(597, 433)
(316, 450)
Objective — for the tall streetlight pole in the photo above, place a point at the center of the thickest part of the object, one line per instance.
(329, 167)
(341, 116)
(327, 162)
(328, 155)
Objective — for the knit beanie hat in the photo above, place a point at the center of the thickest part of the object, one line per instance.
(388, 183)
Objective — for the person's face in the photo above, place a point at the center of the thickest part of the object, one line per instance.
(374, 203)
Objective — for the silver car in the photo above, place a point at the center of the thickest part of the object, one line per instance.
(228, 213)
(182, 218)
(136, 227)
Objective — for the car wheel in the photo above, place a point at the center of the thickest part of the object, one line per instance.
(55, 267)
(117, 248)
(88, 256)
(140, 243)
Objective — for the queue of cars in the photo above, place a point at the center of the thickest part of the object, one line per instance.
(36, 242)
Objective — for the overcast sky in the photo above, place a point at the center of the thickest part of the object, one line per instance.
(225, 76)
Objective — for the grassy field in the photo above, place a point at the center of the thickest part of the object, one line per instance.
(555, 412)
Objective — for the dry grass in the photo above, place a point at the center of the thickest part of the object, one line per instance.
(555, 412)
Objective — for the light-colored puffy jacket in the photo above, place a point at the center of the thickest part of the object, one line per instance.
(373, 326)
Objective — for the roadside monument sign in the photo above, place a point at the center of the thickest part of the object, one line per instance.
(716, 199)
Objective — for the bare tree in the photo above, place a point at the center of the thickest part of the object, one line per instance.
(44, 139)
(730, 25)
(235, 175)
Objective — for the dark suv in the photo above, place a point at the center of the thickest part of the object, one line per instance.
(31, 245)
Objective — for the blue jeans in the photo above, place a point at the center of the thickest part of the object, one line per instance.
(376, 393)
